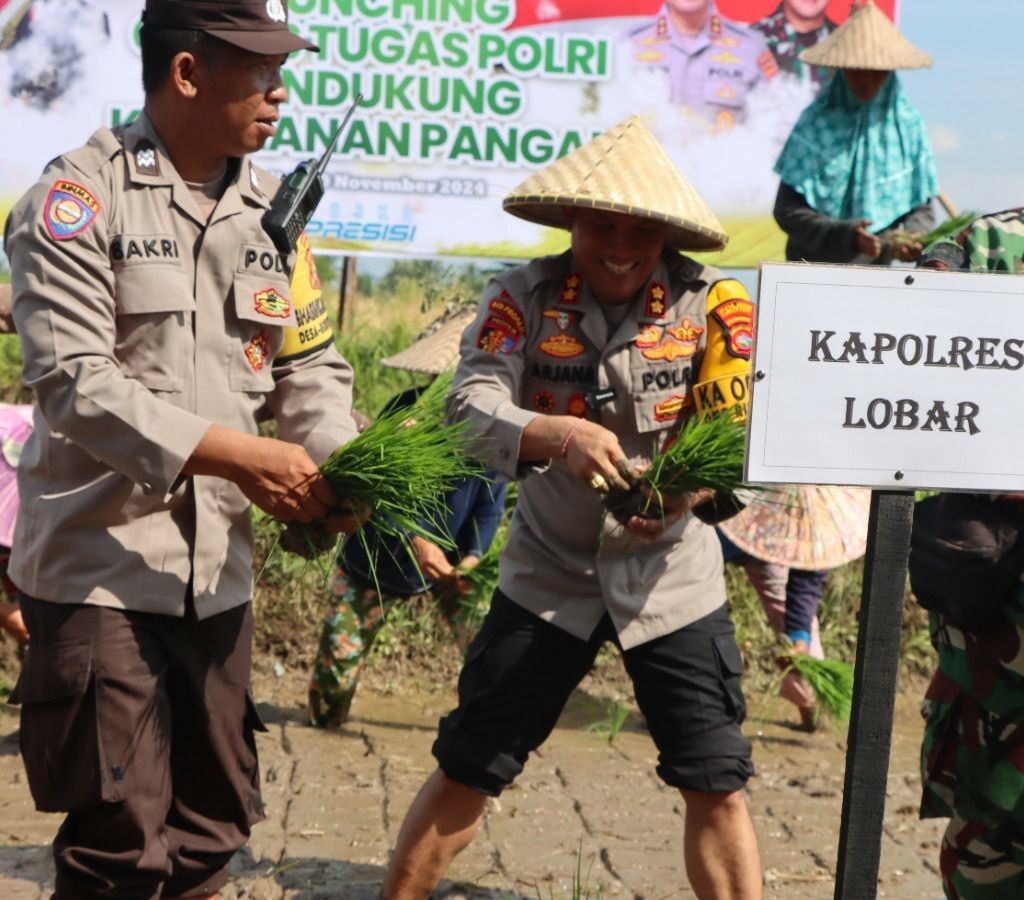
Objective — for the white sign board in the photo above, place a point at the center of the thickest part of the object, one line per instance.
(888, 378)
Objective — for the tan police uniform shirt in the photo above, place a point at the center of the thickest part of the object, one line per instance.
(711, 73)
(539, 343)
(142, 323)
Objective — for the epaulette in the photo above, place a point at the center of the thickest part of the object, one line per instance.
(542, 270)
(101, 147)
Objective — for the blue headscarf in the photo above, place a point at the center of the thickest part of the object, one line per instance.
(854, 160)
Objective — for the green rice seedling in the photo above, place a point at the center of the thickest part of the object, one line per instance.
(402, 466)
(707, 453)
(616, 713)
(947, 229)
(483, 577)
(579, 889)
(483, 581)
(831, 680)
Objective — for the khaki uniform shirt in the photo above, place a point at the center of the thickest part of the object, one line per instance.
(539, 344)
(711, 73)
(141, 324)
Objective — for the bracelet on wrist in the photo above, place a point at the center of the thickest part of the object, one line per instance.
(568, 436)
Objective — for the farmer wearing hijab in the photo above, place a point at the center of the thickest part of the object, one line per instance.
(858, 173)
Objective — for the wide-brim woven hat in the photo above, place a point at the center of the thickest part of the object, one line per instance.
(866, 40)
(803, 526)
(624, 170)
(437, 348)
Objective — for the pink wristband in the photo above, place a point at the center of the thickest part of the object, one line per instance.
(569, 434)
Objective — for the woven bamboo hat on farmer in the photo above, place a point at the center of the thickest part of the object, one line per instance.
(623, 170)
(866, 40)
(437, 347)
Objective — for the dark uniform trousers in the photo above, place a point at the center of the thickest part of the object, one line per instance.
(140, 727)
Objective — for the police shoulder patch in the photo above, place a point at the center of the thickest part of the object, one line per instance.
(313, 329)
(766, 62)
(69, 210)
(504, 327)
(734, 312)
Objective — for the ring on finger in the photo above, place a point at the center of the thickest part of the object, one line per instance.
(598, 482)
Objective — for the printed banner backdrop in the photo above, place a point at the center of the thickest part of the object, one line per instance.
(462, 100)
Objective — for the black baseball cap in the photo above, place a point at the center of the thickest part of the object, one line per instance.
(260, 26)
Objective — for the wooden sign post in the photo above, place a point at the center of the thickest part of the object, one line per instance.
(874, 692)
(882, 378)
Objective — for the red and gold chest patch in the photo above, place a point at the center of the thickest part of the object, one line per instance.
(737, 320)
(544, 402)
(257, 351)
(670, 409)
(269, 302)
(650, 336)
(503, 328)
(69, 210)
(726, 58)
(562, 345)
(677, 342)
(577, 406)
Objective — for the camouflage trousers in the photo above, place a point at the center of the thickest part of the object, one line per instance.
(980, 864)
(972, 757)
(351, 623)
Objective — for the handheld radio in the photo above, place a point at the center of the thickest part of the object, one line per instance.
(300, 192)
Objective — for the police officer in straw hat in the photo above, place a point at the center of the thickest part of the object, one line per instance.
(576, 367)
(157, 322)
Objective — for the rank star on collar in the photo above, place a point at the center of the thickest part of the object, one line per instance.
(276, 11)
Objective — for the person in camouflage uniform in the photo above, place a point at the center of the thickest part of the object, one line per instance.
(792, 28)
(972, 756)
(991, 243)
(374, 573)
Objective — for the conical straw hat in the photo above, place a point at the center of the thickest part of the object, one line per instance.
(803, 526)
(437, 349)
(866, 40)
(623, 170)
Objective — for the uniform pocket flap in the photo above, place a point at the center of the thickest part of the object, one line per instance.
(264, 298)
(725, 93)
(152, 288)
(729, 655)
(54, 672)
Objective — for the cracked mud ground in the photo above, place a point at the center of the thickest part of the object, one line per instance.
(335, 802)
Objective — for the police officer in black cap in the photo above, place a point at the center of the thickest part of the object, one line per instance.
(157, 324)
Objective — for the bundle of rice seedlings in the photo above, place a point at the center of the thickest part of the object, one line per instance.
(831, 680)
(483, 577)
(402, 466)
(483, 581)
(707, 453)
(948, 229)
